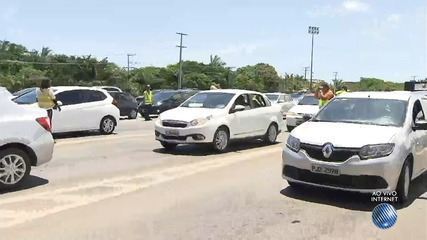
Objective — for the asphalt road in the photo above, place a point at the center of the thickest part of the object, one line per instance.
(125, 186)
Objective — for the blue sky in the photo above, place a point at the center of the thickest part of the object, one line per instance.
(374, 38)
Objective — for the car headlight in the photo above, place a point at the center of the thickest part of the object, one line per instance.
(293, 143)
(200, 121)
(376, 151)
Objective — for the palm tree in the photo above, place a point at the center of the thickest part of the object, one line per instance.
(216, 61)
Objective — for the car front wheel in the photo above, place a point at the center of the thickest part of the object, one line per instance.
(221, 140)
(14, 167)
(107, 125)
(404, 183)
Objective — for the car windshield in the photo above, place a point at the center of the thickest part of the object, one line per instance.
(208, 100)
(309, 100)
(163, 95)
(27, 98)
(272, 97)
(384, 112)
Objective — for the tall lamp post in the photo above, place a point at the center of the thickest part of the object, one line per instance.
(313, 31)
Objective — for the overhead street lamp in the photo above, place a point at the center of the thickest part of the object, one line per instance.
(313, 31)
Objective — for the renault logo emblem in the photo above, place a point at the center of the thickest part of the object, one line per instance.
(327, 150)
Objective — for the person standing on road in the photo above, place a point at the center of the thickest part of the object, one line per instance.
(148, 102)
(324, 95)
(46, 99)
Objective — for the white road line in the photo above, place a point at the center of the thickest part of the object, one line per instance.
(75, 196)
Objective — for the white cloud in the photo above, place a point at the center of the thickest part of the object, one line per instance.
(346, 7)
(355, 6)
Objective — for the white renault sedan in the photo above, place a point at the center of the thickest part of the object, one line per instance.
(217, 117)
(25, 141)
(364, 142)
(83, 109)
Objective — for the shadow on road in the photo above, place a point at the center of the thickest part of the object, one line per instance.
(30, 182)
(351, 200)
(77, 134)
(206, 149)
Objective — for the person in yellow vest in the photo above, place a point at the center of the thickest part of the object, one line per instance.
(46, 99)
(324, 94)
(342, 90)
(148, 102)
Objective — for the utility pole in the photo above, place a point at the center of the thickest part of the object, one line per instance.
(313, 31)
(305, 72)
(335, 74)
(129, 55)
(180, 59)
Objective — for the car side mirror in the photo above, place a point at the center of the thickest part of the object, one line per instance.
(238, 108)
(59, 103)
(420, 125)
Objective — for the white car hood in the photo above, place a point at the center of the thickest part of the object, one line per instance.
(189, 114)
(344, 134)
(305, 109)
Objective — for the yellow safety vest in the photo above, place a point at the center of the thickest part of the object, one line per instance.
(341, 92)
(45, 98)
(148, 97)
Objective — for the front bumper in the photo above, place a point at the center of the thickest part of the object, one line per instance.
(43, 148)
(357, 175)
(185, 135)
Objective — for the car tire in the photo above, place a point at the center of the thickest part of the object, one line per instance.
(133, 114)
(169, 146)
(404, 183)
(271, 134)
(290, 128)
(221, 140)
(20, 161)
(107, 125)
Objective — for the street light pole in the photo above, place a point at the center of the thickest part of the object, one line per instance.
(180, 59)
(313, 31)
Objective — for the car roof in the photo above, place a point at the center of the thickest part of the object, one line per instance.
(68, 88)
(397, 95)
(233, 91)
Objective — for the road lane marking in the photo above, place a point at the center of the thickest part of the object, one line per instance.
(100, 139)
(70, 197)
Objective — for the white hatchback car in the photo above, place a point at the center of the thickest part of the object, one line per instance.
(83, 109)
(364, 142)
(25, 141)
(306, 108)
(284, 100)
(219, 116)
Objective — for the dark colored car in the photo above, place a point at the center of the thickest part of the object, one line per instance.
(168, 99)
(126, 103)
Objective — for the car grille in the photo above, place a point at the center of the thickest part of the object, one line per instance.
(176, 124)
(342, 181)
(181, 138)
(339, 154)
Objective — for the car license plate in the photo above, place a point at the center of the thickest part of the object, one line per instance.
(172, 132)
(325, 170)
